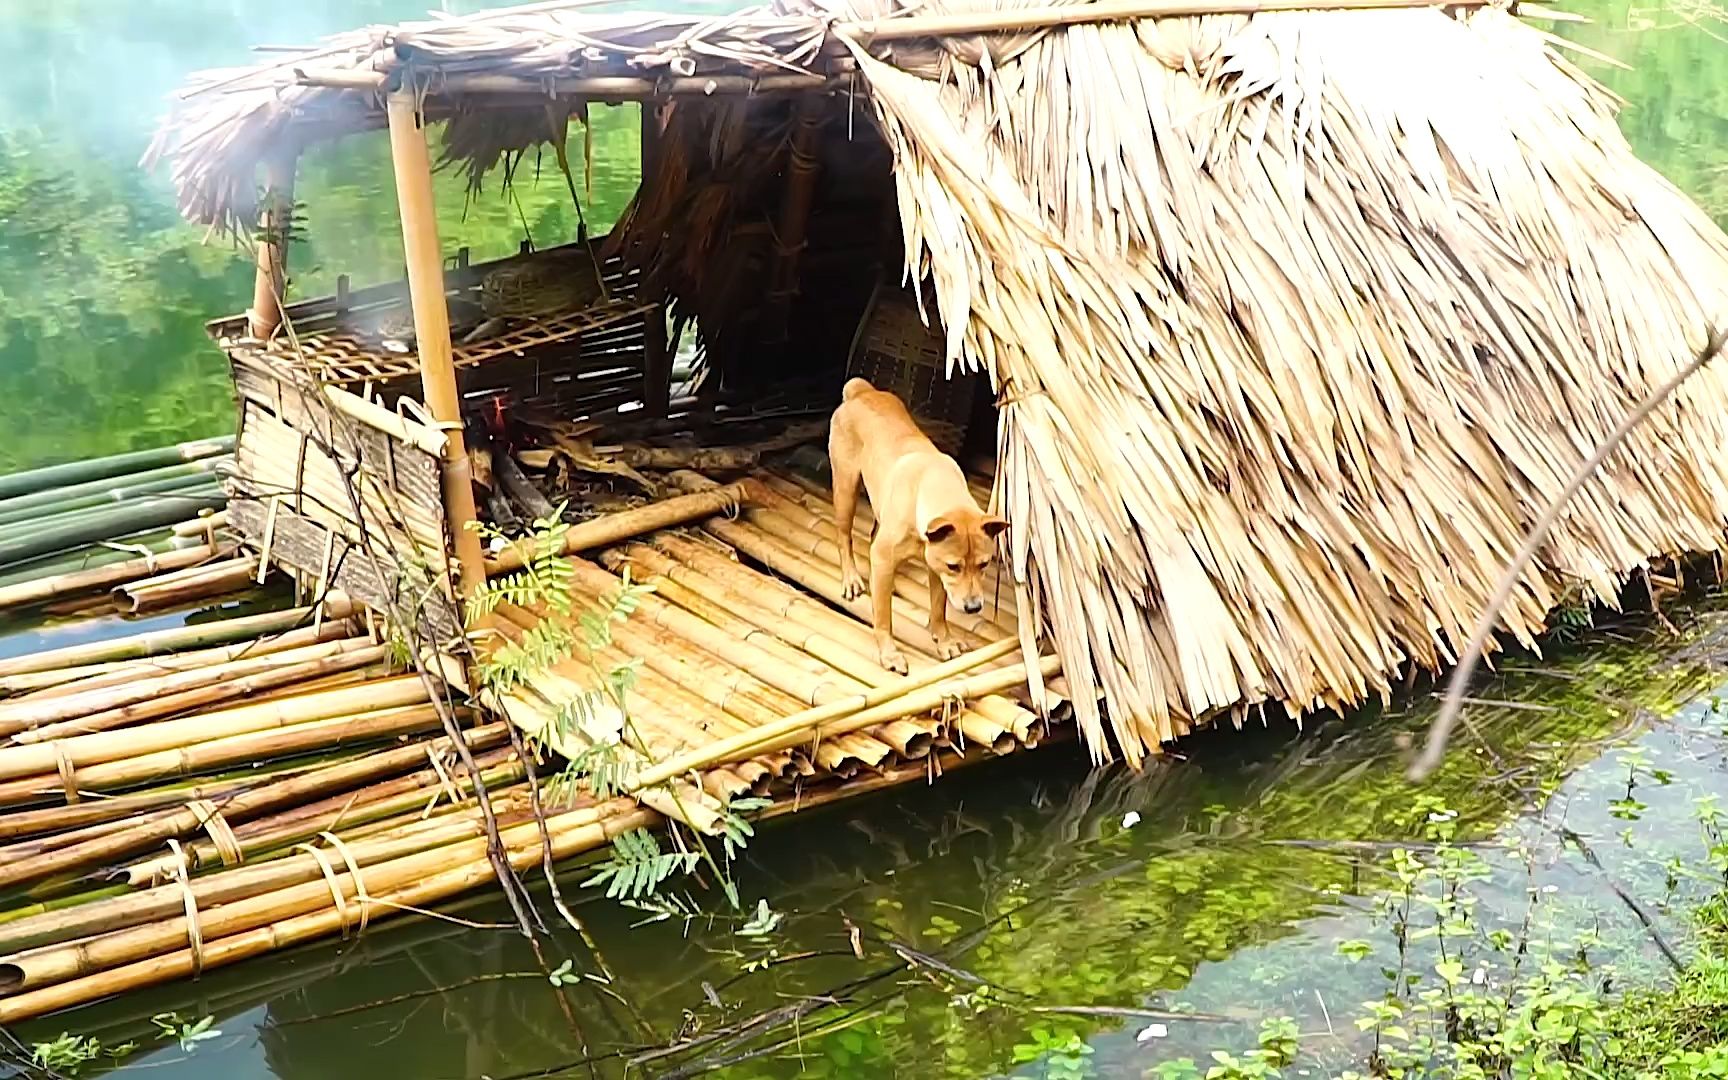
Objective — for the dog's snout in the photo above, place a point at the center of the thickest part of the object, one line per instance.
(972, 606)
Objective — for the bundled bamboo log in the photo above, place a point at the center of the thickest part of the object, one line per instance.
(90, 676)
(77, 472)
(59, 505)
(613, 528)
(76, 582)
(216, 753)
(299, 677)
(157, 642)
(152, 512)
(382, 807)
(167, 901)
(734, 612)
(425, 885)
(184, 586)
(108, 746)
(32, 712)
(54, 964)
(66, 853)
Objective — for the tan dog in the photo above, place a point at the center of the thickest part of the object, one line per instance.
(922, 505)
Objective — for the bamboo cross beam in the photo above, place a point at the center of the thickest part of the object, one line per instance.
(799, 724)
(1010, 20)
(628, 524)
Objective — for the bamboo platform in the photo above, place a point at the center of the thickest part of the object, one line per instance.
(187, 799)
(747, 627)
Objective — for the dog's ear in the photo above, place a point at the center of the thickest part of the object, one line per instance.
(993, 526)
(939, 529)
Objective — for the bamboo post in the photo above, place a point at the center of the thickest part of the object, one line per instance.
(413, 169)
(801, 169)
(657, 361)
(270, 279)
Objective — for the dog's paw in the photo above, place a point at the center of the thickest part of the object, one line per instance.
(947, 648)
(852, 586)
(894, 660)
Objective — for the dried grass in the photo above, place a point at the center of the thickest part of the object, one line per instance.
(1341, 298)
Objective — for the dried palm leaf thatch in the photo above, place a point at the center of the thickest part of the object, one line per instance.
(1297, 320)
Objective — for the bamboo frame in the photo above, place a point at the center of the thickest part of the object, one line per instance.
(413, 168)
(270, 278)
(900, 28)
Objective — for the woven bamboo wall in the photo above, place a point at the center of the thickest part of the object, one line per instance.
(300, 469)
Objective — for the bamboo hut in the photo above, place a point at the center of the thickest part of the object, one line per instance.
(1291, 317)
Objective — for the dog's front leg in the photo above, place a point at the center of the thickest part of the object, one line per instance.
(882, 564)
(946, 647)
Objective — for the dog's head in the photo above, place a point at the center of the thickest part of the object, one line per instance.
(958, 548)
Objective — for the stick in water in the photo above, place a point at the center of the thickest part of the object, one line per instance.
(1441, 730)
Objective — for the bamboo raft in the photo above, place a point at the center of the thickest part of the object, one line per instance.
(182, 800)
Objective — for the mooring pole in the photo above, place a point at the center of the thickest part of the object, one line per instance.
(413, 166)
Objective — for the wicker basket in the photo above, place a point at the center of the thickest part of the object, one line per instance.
(896, 351)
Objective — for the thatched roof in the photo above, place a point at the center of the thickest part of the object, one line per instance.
(1297, 318)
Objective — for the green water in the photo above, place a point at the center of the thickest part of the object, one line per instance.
(1251, 858)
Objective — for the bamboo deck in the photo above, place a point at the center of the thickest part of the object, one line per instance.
(188, 799)
(747, 626)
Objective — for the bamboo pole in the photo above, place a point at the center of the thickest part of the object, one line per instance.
(803, 162)
(229, 688)
(959, 24)
(85, 750)
(20, 716)
(183, 586)
(44, 501)
(928, 699)
(156, 511)
(47, 966)
(167, 901)
(415, 891)
(686, 679)
(243, 806)
(52, 819)
(82, 677)
(270, 278)
(80, 472)
(42, 590)
(157, 642)
(368, 812)
(615, 528)
(204, 525)
(186, 480)
(228, 750)
(799, 725)
(413, 170)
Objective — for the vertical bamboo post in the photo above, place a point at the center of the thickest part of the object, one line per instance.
(657, 363)
(794, 226)
(276, 215)
(413, 167)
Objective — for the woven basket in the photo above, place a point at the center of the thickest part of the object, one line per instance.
(897, 352)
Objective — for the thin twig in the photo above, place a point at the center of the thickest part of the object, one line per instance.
(1441, 731)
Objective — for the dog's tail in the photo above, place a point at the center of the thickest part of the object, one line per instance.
(854, 387)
